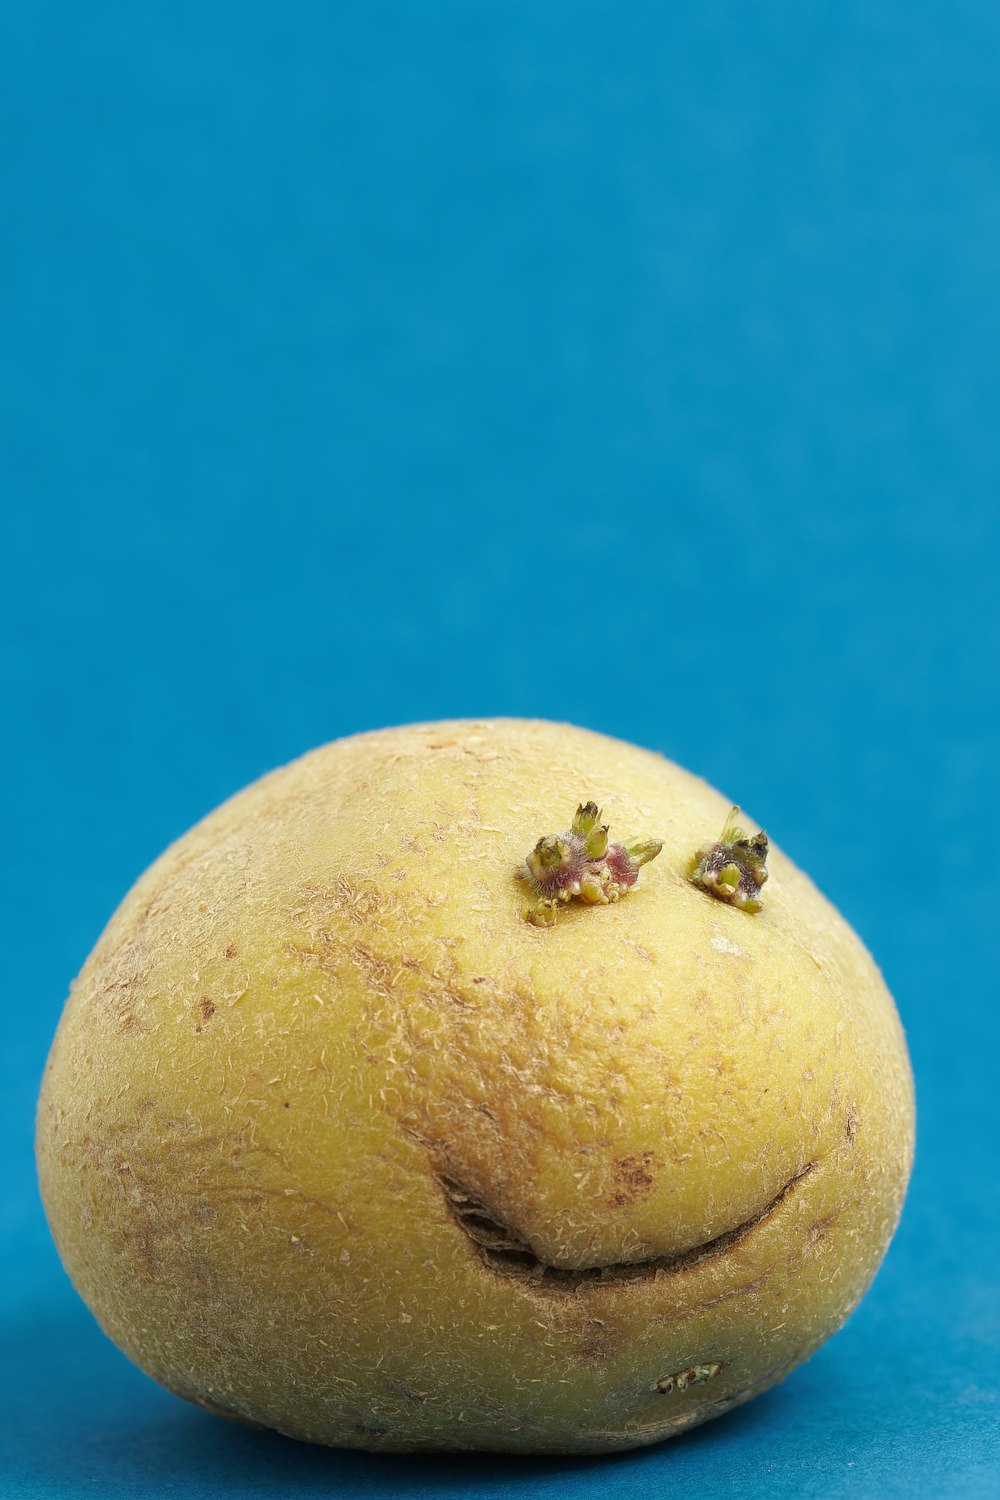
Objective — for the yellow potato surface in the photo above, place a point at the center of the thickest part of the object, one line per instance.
(333, 1140)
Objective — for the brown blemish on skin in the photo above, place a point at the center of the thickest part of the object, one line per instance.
(851, 1128)
(819, 1231)
(232, 951)
(633, 1178)
(204, 1010)
(598, 1349)
(590, 1341)
(596, 1353)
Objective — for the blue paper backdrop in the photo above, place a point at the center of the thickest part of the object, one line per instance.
(631, 364)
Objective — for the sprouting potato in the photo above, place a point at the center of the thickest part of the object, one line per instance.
(344, 1135)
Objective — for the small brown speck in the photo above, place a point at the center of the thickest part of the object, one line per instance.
(633, 1178)
(596, 1353)
(204, 1010)
(232, 951)
(819, 1231)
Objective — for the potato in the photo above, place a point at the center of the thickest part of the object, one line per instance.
(333, 1140)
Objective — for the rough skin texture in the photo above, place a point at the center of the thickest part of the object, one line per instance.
(319, 1062)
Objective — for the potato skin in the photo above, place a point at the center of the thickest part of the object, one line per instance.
(320, 1015)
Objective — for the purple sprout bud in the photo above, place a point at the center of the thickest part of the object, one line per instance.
(581, 864)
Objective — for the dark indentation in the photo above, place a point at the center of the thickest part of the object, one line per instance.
(373, 1431)
(481, 1226)
(232, 951)
(506, 1251)
(680, 1380)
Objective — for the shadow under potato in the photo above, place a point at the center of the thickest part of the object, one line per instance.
(80, 1420)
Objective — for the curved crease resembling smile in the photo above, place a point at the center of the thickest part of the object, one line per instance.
(506, 1251)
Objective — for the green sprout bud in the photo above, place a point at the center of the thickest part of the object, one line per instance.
(735, 867)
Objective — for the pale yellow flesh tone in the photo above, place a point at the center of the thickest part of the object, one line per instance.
(325, 999)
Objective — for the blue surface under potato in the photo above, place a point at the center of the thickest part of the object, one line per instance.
(629, 365)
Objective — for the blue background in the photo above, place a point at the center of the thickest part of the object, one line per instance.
(633, 364)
